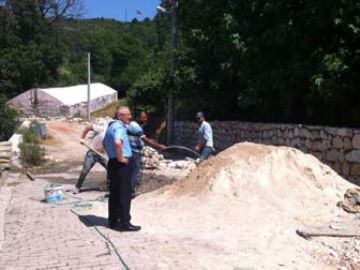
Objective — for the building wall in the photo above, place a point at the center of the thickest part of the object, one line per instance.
(337, 147)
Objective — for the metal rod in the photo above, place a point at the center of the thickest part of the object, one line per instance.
(88, 92)
(171, 99)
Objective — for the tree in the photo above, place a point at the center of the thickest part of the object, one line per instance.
(30, 51)
(288, 61)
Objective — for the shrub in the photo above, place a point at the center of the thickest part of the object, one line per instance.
(30, 151)
(7, 120)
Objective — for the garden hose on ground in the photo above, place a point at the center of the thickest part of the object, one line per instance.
(81, 203)
(103, 236)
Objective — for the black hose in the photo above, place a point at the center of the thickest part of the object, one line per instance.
(183, 148)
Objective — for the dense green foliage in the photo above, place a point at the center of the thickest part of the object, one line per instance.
(7, 120)
(289, 61)
(278, 61)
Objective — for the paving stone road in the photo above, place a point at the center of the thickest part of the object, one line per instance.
(38, 235)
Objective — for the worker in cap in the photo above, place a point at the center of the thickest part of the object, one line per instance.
(204, 144)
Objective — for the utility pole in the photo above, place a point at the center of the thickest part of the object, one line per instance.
(88, 92)
(171, 100)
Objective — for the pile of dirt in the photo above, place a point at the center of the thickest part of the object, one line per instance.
(281, 178)
(252, 197)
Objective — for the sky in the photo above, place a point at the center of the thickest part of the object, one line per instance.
(116, 9)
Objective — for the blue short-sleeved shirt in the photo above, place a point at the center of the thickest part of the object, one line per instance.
(135, 133)
(205, 133)
(117, 130)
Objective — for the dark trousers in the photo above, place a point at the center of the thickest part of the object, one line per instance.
(136, 170)
(120, 192)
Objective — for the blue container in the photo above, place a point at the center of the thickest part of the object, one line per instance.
(53, 193)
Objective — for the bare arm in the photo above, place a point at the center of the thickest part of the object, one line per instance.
(153, 144)
(119, 154)
(86, 130)
(200, 145)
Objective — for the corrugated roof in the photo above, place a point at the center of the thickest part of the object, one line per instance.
(77, 94)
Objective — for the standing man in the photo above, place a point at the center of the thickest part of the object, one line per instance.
(91, 158)
(137, 139)
(116, 143)
(205, 137)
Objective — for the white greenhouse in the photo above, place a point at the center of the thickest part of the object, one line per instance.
(63, 101)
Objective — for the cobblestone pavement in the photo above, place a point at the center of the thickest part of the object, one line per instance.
(38, 235)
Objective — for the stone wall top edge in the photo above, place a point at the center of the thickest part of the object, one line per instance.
(278, 125)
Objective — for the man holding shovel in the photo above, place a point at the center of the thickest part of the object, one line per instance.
(92, 157)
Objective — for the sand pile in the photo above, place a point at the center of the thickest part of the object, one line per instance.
(248, 182)
(249, 200)
(282, 178)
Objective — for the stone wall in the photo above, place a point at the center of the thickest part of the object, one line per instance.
(337, 147)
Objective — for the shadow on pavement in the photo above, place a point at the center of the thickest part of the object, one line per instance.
(91, 220)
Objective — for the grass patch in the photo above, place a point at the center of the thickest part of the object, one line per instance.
(110, 109)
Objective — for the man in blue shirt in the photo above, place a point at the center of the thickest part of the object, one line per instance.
(117, 146)
(205, 137)
(138, 139)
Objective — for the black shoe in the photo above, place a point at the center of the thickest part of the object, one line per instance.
(129, 228)
(114, 226)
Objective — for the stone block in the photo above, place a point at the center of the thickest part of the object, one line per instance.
(266, 141)
(345, 168)
(266, 134)
(331, 130)
(356, 141)
(353, 156)
(306, 133)
(355, 170)
(315, 134)
(342, 156)
(347, 143)
(315, 146)
(337, 167)
(296, 142)
(324, 135)
(332, 155)
(344, 132)
(318, 155)
(296, 132)
(288, 142)
(337, 143)
(325, 145)
(291, 134)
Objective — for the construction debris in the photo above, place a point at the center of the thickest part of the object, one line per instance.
(5, 155)
(351, 203)
(151, 158)
(308, 235)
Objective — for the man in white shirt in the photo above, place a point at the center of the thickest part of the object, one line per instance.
(205, 137)
(91, 158)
